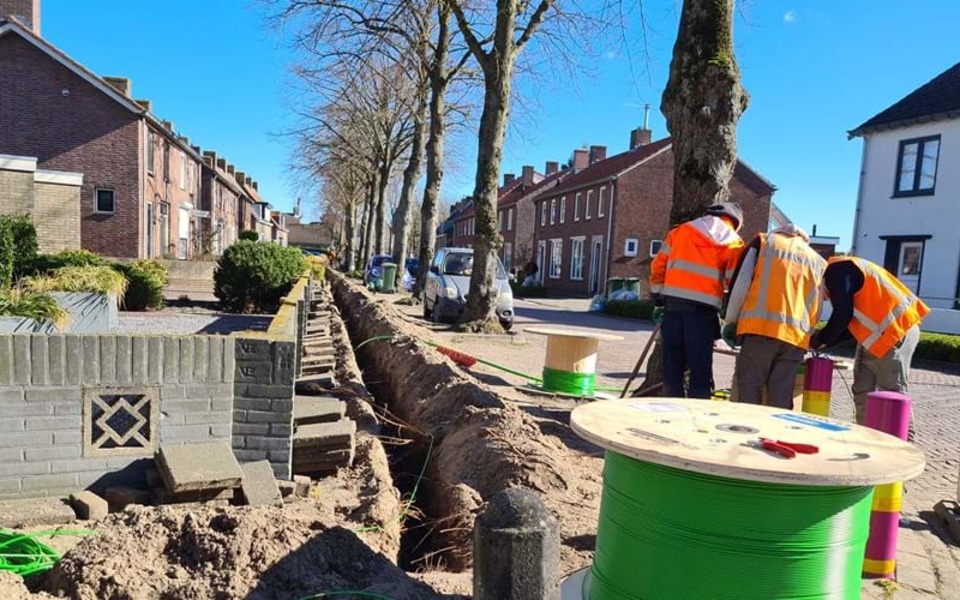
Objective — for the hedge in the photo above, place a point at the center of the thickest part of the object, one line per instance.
(633, 309)
(254, 276)
(145, 281)
(534, 291)
(938, 346)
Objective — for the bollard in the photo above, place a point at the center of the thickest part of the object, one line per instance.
(888, 412)
(516, 549)
(817, 383)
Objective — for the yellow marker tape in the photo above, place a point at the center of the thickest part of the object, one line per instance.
(879, 567)
(888, 497)
(816, 403)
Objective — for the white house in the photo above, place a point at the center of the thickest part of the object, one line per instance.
(908, 205)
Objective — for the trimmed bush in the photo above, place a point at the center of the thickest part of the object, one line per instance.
(145, 281)
(68, 258)
(938, 346)
(535, 291)
(24, 243)
(632, 309)
(249, 236)
(254, 276)
(7, 255)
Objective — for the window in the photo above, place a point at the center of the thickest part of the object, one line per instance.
(556, 258)
(631, 246)
(510, 219)
(603, 190)
(500, 220)
(507, 256)
(105, 201)
(576, 259)
(655, 246)
(164, 228)
(917, 166)
(553, 211)
(151, 151)
(563, 209)
(543, 214)
(183, 171)
(166, 161)
(910, 257)
(576, 207)
(586, 209)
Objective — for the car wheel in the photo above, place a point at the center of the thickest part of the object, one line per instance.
(427, 313)
(506, 325)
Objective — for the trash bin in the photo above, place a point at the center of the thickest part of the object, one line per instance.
(389, 278)
(614, 284)
(632, 284)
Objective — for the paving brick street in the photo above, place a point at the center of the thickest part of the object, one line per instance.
(928, 558)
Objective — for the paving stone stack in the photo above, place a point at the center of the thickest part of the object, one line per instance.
(323, 437)
(205, 472)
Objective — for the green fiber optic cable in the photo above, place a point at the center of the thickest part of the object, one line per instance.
(322, 595)
(22, 554)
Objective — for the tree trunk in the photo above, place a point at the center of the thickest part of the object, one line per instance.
(497, 72)
(431, 193)
(350, 232)
(369, 222)
(411, 175)
(702, 103)
(381, 212)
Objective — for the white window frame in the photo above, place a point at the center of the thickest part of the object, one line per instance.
(183, 171)
(576, 260)
(600, 213)
(500, 220)
(543, 214)
(655, 246)
(556, 258)
(510, 219)
(151, 157)
(507, 256)
(576, 207)
(96, 201)
(631, 247)
(553, 211)
(903, 253)
(563, 209)
(586, 208)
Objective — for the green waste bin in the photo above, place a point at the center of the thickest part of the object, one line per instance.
(389, 278)
(614, 284)
(632, 284)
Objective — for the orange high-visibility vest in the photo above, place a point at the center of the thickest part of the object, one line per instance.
(883, 309)
(696, 261)
(783, 302)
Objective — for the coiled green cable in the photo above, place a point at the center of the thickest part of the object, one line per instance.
(666, 533)
(22, 554)
(568, 382)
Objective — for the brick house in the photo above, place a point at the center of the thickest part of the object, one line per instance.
(51, 198)
(609, 216)
(222, 202)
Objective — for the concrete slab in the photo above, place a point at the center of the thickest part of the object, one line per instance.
(121, 496)
(259, 486)
(313, 385)
(325, 434)
(202, 466)
(218, 497)
(89, 506)
(308, 410)
(32, 512)
(303, 485)
(287, 488)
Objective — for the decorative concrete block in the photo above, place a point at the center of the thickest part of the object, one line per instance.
(120, 421)
(201, 466)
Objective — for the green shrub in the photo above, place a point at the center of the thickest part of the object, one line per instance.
(633, 309)
(145, 281)
(253, 277)
(938, 346)
(535, 291)
(96, 280)
(7, 255)
(20, 302)
(68, 258)
(249, 236)
(24, 243)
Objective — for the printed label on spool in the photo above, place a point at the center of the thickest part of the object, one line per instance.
(658, 407)
(812, 421)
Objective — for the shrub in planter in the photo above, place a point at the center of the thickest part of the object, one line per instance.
(20, 302)
(633, 309)
(253, 277)
(249, 236)
(145, 281)
(95, 280)
(67, 258)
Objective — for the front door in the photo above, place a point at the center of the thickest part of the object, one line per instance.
(904, 259)
(595, 253)
(541, 251)
(149, 218)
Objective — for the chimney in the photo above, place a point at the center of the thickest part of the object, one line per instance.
(230, 169)
(254, 184)
(552, 167)
(210, 157)
(248, 181)
(639, 137)
(26, 12)
(814, 232)
(508, 178)
(296, 209)
(581, 159)
(168, 125)
(195, 149)
(597, 153)
(240, 177)
(145, 104)
(527, 176)
(222, 164)
(121, 84)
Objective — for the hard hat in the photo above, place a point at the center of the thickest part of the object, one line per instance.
(727, 209)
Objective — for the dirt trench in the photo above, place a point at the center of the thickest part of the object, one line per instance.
(475, 440)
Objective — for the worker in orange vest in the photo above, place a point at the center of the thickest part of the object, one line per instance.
(688, 279)
(773, 308)
(882, 314)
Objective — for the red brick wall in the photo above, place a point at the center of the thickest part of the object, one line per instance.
(84, 131)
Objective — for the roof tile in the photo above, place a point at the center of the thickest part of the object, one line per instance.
(939, 96)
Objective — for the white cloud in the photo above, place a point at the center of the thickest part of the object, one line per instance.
(790, 16)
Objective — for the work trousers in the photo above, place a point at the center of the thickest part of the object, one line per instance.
(688, 337)
(765, 362)
(887, 374)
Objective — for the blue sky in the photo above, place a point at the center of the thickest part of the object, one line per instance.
(814, 69)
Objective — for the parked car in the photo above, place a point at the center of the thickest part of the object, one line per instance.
(448, 282)
(412, 265)
(374, 268)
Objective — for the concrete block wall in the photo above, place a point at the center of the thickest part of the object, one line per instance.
(46, 386)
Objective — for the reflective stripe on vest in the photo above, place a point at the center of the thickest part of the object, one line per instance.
(697, 258)
(791, 323)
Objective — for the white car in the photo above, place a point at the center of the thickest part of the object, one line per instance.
(448, 282)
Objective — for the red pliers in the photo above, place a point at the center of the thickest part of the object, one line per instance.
(787, 449)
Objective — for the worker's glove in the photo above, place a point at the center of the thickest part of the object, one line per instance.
(815, 343)
(729, 334)
(657, 315)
